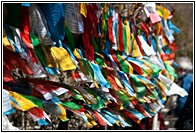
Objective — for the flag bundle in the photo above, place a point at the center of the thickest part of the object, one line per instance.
(123, 56)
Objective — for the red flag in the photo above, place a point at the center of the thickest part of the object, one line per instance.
(111, 37)
(38, 112)
(137, 68)
(99, 119)
(24, 26)
(167, 56)
(110, 77)
(15, 60)
(129, 115)
(86, 37)
(120, 34)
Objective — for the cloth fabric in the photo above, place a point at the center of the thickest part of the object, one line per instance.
(73, 18)
(123, 65)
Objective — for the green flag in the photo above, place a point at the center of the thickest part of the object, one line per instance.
(72, 105)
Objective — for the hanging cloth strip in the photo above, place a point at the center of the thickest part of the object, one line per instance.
(34, 112)
(110, 28)
(97, 72)
(24, 33)
(24, 103)
(10, 37)
(49, 57)
(138, 40)
(70, 37)
(16, 60)
(91, 119)
(63, 58)
(7, 108)
(100, 100)
(47, 88)
(135, 49)
(128, 39)
(53, 108)
(163, 12)
(147, 49)
(96, 12)
(101, 119)
(120, 34)
(38, 112)
(36, 68)
(109, 117)
(114, 30)
(139, 88)
(73, 18)
(87, 68)
(39, 24)
(126, 67)
(39, 52)
(83, 9)
(6, 42)
(89, 98)
(75, 94)
(172, 26)
(71, 105)
(7, 77)
(89, 49)
(54, 15)
(111, 77)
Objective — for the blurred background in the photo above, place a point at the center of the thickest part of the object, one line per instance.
(183, 19)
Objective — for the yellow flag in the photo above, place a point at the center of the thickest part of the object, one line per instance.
(49, 57)
(161, 86)
(63, 117)
(135, 51)
(168, 75)
(96, 82)
(117, 37)
(148, 68)
(128, 31)
(103, 23)
(169, 62)
(107, 102)
(63, 58)
(164, 41)
(129, 65)
(83, 9)
(159, 13)
(82, 68)
(117, 123)
(118, 82)
(23, 102)
(6, 42)
(164, 12)
(121, 107)
(76, 53)
(63, 111)
(15, 105)
(88, 124)
(158, 27)
(147, 84)
(90, 119)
